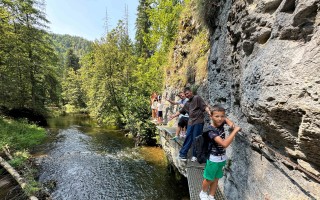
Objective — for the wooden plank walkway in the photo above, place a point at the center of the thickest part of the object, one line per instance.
(194, 169)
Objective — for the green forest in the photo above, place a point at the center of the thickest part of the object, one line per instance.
(110, 79)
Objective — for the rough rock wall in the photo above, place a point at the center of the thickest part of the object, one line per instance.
(264, 67)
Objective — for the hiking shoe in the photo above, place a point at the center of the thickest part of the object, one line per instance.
(203, 195)
(174, 138)
(193, 159)
(183, 134)
(211, 197)
(182, 158)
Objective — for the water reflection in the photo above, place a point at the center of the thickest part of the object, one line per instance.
(88, 162)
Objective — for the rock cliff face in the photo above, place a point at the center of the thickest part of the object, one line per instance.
(264, 67)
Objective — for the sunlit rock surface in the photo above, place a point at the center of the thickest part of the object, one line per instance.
(264, 67)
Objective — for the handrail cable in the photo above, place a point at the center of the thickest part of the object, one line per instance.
(261, 144)
(296, 166)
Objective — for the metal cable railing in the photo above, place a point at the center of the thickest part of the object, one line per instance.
(262, 145)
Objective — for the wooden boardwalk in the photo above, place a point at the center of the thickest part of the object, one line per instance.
(194, 169)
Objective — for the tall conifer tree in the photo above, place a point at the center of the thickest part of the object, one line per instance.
(142, 29)
(29, 59)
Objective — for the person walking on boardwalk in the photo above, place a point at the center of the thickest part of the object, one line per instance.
(213, 169)
(183, 119)
(195, 107)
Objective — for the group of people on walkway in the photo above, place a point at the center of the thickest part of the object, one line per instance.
(193, 109)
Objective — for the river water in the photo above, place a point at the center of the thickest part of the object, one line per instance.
(84, 162)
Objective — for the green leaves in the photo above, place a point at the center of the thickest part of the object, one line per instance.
(164, 17)
(107, 74)
(26, 56)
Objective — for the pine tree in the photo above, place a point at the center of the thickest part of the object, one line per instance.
(72, 61)
(28, 58)
(142, 29)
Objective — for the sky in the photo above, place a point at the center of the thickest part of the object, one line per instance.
(87, 18)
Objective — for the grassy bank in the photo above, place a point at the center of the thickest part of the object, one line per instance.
(19, 137)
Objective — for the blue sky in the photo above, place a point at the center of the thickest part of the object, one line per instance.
(86, 18)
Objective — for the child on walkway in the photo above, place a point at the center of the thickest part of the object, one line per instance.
(217, 160)
(159, 108)
(153, 104)
(183, 119)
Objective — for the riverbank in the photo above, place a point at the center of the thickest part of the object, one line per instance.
(17, 138)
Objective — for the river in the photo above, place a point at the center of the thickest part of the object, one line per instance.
(84, 162)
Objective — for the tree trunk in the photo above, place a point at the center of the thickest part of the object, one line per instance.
(15, 175)
(7, 152)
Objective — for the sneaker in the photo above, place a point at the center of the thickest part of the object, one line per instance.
(174, 138)
(193, 159)
(211, 197)
(203, 195)
(182, 135)
(182, 158)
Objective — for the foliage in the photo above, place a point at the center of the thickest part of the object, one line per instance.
(156, 24)
(188, 63)
(111, 78)
(138, 122)
(21, 163)
(164, 17)
(143, 25)
(72, 91)
(70, 49)
(27, 61)
(63, 43)
(19, 134)
(207, 11)
(149, 74)
(107, 76)
(20, 157)
(72, 61)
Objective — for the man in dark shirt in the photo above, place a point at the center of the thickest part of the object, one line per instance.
(195, 107)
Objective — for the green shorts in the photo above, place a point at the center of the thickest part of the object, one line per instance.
(213, 170)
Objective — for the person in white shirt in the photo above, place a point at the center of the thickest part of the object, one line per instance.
(160, 108)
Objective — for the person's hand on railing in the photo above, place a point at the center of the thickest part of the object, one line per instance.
(172, 116)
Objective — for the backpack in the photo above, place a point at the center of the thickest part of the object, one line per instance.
(202, 145)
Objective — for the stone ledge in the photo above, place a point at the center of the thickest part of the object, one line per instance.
(172, 147)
